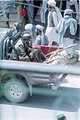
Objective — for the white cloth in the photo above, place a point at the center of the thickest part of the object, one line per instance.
(68, 11)
(18, 43)
(43, 11)
(67, 42)
(64, 23)
(40, 38)
(51, 31)
(74, 2)
(28, 28)
(41, 28)
(30, 10)
(52, 35)
(31, 30)
(52, 3)
(79, 14)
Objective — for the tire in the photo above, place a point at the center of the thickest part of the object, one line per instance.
(16, 90)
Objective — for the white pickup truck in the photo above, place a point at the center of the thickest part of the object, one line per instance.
(18, 77)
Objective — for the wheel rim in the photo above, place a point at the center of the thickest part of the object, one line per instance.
(15, 91)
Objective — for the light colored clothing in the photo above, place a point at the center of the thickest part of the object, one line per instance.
(20, 49)
(18, 43)
(41, 40)
(43, 11)
(79, 14)
(30, 10)
(67, 42)
(30, 28)
(71, 3)
(64, 24)
(54, 17)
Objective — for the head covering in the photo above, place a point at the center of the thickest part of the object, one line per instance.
(68, 11)
(61, 117)
(51, 3)
(26, 36)
(39, 27)
(28, 28)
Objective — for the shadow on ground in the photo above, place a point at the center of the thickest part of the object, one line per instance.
(64, 99)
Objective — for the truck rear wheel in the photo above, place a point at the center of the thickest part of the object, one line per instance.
(15, 90)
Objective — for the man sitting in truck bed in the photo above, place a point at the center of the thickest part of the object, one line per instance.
(20, 48)
(25, 50)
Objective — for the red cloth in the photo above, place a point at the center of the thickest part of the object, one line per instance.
(24, 12)
(47, 49)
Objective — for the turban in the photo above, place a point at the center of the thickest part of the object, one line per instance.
(28, 28)
(52, 3)
(68, 11)
(39, 27)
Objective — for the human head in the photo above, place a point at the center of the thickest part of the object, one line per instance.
(51, 3)
(68, 12)
(29, 28)
(27, 39)
(61, 117)
(39, 29)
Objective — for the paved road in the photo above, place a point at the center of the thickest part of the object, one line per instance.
(12, 18)
(40, 107)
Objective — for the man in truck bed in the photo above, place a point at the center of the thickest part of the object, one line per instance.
(25, 50)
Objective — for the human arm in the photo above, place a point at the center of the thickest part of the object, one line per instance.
(73, 27)
(38, 40)
(55, 18)
(21, 50)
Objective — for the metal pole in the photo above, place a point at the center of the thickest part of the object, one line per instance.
(39, 67)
